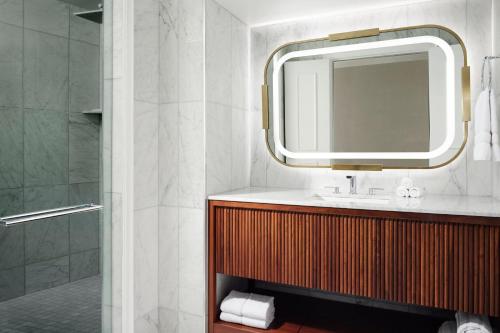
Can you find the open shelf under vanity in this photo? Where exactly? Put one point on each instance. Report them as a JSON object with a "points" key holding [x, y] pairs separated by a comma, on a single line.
{"points": [[303, 314]]}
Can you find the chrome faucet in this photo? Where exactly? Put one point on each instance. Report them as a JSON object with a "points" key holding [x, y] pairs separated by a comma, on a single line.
{"points": [[352, 186]]}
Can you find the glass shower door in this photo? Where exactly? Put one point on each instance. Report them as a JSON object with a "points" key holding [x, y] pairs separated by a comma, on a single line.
{"points": [[51, 174]]}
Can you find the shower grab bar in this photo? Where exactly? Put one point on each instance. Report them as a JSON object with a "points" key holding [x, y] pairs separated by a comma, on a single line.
{"points": [[7, 221]]}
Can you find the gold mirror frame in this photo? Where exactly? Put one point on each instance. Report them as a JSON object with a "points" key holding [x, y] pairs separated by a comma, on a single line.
{"points": [[466, 99]]}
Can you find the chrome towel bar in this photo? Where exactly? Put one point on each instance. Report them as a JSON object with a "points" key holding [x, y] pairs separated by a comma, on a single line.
{"points": [[44, 214]]}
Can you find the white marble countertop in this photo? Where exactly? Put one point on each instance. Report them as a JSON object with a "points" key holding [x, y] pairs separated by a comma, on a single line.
{"points": [[430, 203]]}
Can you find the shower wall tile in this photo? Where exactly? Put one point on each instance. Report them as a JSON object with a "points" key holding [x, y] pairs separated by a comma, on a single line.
{"points": [[191, 323], [11, 11], [168, 320], [45, 71], [239, 64], [50, 16], [190, 71], [11, 201], [192, 260], [168, 154], [146, 261], [47, 274], [146, 155], [83, 265], [11, 148], [240, 150], [11, 66], [84, 228], [218, 54], [46, 239], [11, 283], [11, 247], [168, 260], [82, 29], [84, 148], [83, 76], [169, 53], [219, 145], [45, 147], [191, 155]]}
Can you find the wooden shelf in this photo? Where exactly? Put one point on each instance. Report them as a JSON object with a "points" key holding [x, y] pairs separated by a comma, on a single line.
{"points": [[300, 314]]}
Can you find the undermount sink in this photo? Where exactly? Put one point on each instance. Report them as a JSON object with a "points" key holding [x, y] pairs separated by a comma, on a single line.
{"points": [[354, 198]]}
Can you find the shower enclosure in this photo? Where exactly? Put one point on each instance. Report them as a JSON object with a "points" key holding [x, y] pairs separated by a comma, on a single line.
{"points": [[54, 248]]}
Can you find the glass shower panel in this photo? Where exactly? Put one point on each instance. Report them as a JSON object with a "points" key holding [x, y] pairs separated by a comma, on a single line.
{"points": [[51, 174]]}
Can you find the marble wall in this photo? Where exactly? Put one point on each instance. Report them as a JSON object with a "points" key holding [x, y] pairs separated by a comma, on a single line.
{"points": [[496, 51], [49, 74], [471, 19]]}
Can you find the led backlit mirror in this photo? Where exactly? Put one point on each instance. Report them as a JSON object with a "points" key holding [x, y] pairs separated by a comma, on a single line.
{"points": [[368, 100]]}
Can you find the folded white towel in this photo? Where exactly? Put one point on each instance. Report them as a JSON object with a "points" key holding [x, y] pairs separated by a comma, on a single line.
{"points": [[252, 306], [448, 327], [233, 303], [407, 182], [414, 192], [468, 323], [402, 191], [483, 127], [257, 323], [258, 307]]}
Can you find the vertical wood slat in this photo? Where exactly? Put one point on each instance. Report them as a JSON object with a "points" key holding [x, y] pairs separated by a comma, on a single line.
{"points": [[450, 266]]}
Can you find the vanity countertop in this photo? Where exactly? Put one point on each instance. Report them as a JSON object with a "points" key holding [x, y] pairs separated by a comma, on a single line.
{"points": [[429, 203]]}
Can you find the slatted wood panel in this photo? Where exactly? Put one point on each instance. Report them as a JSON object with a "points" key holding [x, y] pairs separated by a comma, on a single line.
{"points": [[436, 264]]}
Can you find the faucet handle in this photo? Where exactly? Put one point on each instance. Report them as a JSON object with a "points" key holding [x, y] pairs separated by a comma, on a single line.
{"points": [[336, 189], [372, 190]]}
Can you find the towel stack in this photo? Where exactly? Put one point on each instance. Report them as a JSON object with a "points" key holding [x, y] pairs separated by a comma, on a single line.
{"points": [[408, 190], [467, 323], [248, 309]]}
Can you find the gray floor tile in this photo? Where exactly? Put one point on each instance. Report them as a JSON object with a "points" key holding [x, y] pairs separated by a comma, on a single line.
{"points": [[71, 308]]}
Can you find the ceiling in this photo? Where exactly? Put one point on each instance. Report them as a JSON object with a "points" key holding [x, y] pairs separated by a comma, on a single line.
{"points": [[262, 12]]}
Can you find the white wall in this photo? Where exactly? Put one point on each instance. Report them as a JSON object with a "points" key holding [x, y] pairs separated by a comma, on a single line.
{"points": [[469, 18], [496, 51]]}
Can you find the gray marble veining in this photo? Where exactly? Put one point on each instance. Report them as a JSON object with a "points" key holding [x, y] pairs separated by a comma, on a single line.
{"points": [[83, 76], [83, 148], [11, 247], [47, 274], [46, 239], [45, 71], [11, 201], [11, 148], [50, 16], [11, 283], [45, 147], [11, 11], [11, 65], [84, 264]]}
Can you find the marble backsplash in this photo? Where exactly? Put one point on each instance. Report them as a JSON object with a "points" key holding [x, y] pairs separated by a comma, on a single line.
{"points": [[471, 19]]}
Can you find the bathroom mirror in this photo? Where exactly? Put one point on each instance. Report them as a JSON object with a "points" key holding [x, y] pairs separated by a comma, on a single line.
{"points": [[368, 100]]}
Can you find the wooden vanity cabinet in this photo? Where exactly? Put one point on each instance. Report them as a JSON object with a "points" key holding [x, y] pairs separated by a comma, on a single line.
{"points": [[442, 261]]}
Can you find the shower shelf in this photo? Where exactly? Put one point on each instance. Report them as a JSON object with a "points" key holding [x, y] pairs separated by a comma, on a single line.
{"points": [[94, 111]]}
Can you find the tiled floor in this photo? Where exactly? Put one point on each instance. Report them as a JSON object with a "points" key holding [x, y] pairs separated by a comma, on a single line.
{"points": [[71, 308]]}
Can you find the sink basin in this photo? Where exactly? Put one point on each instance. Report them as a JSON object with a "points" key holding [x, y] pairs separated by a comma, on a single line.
{"points": [[354, 198]]}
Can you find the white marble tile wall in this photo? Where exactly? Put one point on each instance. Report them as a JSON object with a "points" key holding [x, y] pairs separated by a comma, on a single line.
{"points": [[146, 164], [181, 161], [496, 51], [469, 18], [227, 113]]}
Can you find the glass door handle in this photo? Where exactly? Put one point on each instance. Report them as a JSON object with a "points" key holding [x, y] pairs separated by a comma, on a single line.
{"points": [[45, 214]]}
